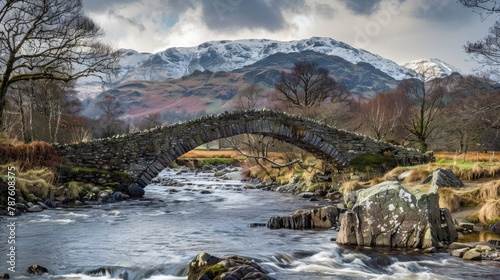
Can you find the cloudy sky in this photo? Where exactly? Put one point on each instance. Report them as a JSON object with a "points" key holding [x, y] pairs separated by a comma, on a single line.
{"points": [[401, 30]]}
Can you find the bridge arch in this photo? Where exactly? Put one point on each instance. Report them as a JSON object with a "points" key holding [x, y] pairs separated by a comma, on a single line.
{"points": [[144, 154], [299, 136]]}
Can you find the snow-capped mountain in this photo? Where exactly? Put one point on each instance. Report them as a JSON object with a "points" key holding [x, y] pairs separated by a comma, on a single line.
{"points": [[230, 55], [234, 55], [431, 68]]}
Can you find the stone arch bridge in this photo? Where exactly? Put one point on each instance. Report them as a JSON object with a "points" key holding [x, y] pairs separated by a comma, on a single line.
{"points": [[144, 154]]}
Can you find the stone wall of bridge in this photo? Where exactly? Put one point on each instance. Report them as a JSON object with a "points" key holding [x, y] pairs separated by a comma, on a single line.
{"points": [[144, 154]]}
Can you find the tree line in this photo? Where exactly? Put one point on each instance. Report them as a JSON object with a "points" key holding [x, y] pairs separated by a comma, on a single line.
{"points": [[453, 112]]}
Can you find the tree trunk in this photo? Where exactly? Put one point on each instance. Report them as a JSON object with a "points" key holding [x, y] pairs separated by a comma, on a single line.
{"points": [[21, 111], [31, 115], [3, 99]]}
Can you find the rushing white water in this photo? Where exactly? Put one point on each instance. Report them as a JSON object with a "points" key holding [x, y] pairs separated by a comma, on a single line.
{"points": [[156, 238]]}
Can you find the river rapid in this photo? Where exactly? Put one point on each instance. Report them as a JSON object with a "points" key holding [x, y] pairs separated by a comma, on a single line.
{"points": [[157, 236]]}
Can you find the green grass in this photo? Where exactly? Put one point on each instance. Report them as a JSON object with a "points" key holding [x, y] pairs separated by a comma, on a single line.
{"points": [[215, 161], [463, 164]]}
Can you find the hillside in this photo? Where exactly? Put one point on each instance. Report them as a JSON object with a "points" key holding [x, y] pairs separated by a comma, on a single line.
{"points": [[213, 92], [182, 83]]}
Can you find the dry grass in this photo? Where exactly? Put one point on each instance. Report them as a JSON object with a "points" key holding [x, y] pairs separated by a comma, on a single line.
{"points": [[490, 212], [34, 181], [471, 156], [476, 172], [417, 175], [487, 191], [211, 154], [393, 174], [448, 198], [495, 170], [29, 156], [351, 186], [38, 187]]}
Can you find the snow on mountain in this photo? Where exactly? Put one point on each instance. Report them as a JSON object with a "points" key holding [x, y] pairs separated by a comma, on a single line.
{"points": [[230, 55], [91, 86], [431, 68]]}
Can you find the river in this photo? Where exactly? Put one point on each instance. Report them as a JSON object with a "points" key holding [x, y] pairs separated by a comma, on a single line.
{"points": [[156, 237]]}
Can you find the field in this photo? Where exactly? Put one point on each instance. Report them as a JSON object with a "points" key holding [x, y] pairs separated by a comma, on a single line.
{"points": [[441, 157], [490, 156], [211, 154]]}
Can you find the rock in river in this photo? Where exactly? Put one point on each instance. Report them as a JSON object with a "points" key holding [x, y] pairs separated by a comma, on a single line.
{"points": [[135, 190], [388, 215], [208, 267], [325, 217]]}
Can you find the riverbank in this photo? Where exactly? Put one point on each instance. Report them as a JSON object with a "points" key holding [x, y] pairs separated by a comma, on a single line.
{"points": [[205, 213]]}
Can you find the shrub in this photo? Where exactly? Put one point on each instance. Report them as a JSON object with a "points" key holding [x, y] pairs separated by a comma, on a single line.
{"points": [[28, 156]]}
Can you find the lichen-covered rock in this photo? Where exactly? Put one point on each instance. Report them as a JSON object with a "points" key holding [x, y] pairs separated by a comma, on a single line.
{"points": [[388, 215], [207, 267], [325, 217]]}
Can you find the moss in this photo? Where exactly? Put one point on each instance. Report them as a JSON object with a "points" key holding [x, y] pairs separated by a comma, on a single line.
{"points": [[73, 190], [368, 162], [83, 170], [474, 218], [86, 174], [215, 161], [215, 271], [111, 186]]}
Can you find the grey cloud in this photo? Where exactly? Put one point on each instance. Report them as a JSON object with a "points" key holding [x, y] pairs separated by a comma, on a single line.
{"points": [[446, 12], [171, 7], [362, 7], [294, 6], [132, 21], [324, 10], [218, 15], [100, 5], [229, 15]]}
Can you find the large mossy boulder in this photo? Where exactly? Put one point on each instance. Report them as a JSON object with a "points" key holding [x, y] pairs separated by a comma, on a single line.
{"points": [[388, 215], [207, 267]]}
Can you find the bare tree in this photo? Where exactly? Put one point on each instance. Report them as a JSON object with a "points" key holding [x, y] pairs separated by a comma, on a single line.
{"points": [[382, 114], [428, 98], [51, 102], [487, 50], [109, 122], [486, 6], [249, 96], [49, 39], [150, 121], [306, 86]]}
